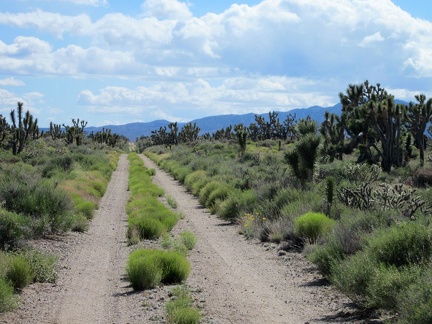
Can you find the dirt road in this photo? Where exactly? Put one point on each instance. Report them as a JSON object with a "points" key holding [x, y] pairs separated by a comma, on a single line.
{"points": [[232, 279], [244, 281]]}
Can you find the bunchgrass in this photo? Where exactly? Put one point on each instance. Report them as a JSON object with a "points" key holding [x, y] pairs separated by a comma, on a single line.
{"points": [[20, 273], [311, 226], [147, 268], [8, 300], [188, 239], [180, 308]]}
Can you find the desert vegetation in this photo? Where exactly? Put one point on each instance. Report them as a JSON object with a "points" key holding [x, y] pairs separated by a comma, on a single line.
{"points": [[352, 193], [51, 182]]}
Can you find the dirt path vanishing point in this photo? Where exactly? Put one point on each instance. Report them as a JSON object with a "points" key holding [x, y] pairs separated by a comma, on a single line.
{"points": [[232, 279]]}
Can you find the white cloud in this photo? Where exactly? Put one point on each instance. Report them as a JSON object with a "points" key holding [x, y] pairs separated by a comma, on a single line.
{"points": [[94, 3], [237, 95], [54, 23], [9, 100], [371, 39], [167, 9], [12, 82]]}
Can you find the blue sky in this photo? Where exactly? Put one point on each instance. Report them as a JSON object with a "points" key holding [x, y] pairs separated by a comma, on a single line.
{"points": [[116, 62]]}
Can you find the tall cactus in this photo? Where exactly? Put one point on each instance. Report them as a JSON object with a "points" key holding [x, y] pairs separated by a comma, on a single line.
{"points": [[21, 128]]}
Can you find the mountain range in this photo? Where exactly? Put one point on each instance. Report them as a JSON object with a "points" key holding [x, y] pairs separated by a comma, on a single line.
{"points": [[211, 124]]}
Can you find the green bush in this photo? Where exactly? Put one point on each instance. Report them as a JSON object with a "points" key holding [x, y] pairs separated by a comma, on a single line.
{"points": [[386, 285], [205, 191], [408, 243], [415, 302], [143, 273], [219, 194], [311, 226], [175, 267], [353, 274], [7, 298], [193, 177], [168, 267], [19, 273], [87, 208], [13, 228], [148, 228], [325, 256], [80, 223], [235, 204], [43, 266]]}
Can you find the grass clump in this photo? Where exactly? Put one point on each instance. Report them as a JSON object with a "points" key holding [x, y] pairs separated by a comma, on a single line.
{"points": [[148, 218], [188, 239], [19, 273], [311, 226], [13, 228], [172, 202], [43, 266], [8, 300], [180, 310], [147, 268], [143, 273]]}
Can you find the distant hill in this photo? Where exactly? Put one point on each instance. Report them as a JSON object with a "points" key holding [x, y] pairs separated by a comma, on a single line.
{"points": [[213, 123]]}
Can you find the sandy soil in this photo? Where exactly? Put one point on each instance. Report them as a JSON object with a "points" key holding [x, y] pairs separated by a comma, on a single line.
{"points": [[233, 280]]}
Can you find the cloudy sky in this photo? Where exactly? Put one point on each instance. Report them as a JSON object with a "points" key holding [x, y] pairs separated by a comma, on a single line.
{"points": [[116, 62]]}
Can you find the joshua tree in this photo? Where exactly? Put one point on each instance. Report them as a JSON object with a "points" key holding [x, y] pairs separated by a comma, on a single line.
{"points": [[242, 134], [22, 128], [419, 115]]}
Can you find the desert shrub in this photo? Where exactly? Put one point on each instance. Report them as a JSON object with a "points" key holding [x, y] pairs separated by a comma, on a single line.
{"points": [[387, 282], [188, 239], [86, 208], [193, 177], [205, 191], [167, 218], [148, 228], [311, 226], [175, 267], [7, 298], [143, 273], [169, 267], [353, 274], [80, 223], [179, 173], [326, 256], [408, 243], [43, 266], [414, 304], [151, 172], [198, 185], [57, 166], [13, 228], [219, 194], [236, 203], [19, 272], [352, 229]]}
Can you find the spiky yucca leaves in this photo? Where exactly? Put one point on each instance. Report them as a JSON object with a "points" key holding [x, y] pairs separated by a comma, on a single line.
{"points": [[302, 158]]}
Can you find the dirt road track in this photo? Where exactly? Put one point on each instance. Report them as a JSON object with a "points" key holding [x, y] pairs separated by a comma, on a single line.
{"points": [[241, 281], [234, 280]]}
